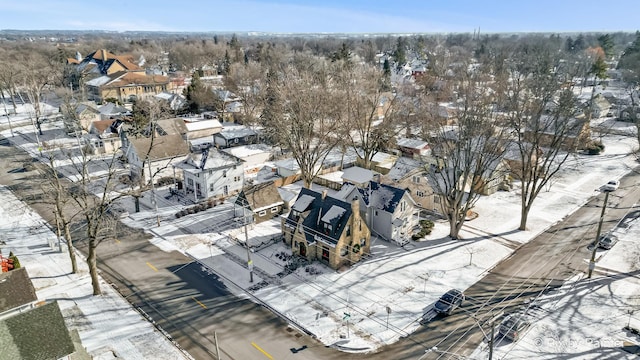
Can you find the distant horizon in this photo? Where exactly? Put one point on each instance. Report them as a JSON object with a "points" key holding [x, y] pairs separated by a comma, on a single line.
{"points": [[323, 17]]}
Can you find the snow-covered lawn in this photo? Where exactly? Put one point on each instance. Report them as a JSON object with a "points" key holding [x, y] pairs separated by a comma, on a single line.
{"points": [[384, 297], [585, 318], [107, 324]]}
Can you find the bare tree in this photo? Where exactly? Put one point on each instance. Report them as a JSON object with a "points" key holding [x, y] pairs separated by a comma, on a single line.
{"points": [[308, 114], [542, 110], [56, 191], [247, 81], [469, 154], [38, 72], [369, 111], [94, 198]]}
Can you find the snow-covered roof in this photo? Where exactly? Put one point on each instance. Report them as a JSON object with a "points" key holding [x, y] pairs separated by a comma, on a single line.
{"points": [[357, 175], [236, 131], [202, 124], [412, 143], [334, 213], [303, 203], [99, 81], [248, 150], [289, 164]]}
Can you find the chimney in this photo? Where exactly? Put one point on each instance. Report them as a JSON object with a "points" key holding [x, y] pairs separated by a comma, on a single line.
{"points": [[355, 206], [324, 194], [104, 55]]}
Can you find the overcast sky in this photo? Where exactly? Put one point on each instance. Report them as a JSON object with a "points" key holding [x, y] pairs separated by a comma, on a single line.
{"points": [[353, 16]]}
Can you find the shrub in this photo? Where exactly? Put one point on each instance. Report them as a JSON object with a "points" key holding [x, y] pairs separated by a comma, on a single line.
{"points": [[595, 147]]}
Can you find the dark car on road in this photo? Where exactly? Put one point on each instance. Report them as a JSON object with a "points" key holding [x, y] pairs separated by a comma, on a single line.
{"points": [[513, 325], [449, 302]]}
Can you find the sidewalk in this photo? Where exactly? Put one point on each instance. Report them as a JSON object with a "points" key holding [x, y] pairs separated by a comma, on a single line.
{"points": [[107, 324]]}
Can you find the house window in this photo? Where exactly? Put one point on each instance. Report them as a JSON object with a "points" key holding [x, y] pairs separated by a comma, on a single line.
{"points": [[326, 228], [262, 213], [436, 199], [325, 254], [224, 173], [190, 182], [236, 178], [343, 251], [416, 179], [363, 242], [348, 230], [210, 187], [375, 213], [274, 209]]}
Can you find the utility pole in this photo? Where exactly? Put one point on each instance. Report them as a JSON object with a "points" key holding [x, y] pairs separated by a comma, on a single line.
{"points": [[592, 262], [153, 192], [491, 339], [246, 243]]}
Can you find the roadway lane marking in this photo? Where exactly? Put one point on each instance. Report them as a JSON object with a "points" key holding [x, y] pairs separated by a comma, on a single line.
{"points": [[262, 351], [199, 303], [151, 266]]}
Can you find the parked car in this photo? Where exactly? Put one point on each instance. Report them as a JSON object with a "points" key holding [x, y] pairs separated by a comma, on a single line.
{"points": [[611, 185], [607, 241], [513, 326], [448, 302]]}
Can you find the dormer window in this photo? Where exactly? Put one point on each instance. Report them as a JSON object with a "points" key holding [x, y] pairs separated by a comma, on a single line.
{"points": [[326, 228]]}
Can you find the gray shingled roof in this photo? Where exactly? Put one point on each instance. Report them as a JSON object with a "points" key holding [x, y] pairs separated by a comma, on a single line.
{"points": [[16, 289], [36, 334]]}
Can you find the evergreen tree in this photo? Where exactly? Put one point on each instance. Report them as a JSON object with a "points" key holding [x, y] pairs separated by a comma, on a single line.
{"points": [[606, 43], [401, 52], [569, 45], [386, 78]]}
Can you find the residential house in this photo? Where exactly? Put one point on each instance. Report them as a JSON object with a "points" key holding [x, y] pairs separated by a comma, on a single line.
{"points": [[381, 162], [232, 104], [175, 101], [154, 155], [211, 173], [199, 132], [326, 229], [113, 111], [235, 135], [412, 175], [104, 135], [414, 148], [575, 132], [253, 156], [599, 108], [261, 201], [104, 75], [388, 211], [30, 329], [287, 167]]}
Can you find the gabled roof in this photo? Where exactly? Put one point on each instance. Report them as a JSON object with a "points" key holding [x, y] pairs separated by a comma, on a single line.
{"points": [[112, 109], [260, 196], [164, 147], [328, 210], [215, 159], [101, 125], [381, 196], [412, 143], [39, 333], [234, 131], [16, 289]]}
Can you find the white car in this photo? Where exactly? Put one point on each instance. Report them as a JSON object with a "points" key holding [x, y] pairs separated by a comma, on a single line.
{"points": [[611, 185]]}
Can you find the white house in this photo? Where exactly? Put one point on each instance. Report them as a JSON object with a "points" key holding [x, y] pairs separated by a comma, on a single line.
{"points": [[253, 156], [211, 173], [388, 211]]}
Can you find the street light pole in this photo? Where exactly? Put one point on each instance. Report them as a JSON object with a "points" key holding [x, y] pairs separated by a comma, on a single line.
{"points": [[592, 262]]}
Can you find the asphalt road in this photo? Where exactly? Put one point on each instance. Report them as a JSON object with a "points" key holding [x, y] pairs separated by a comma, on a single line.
{"points": [[192, 304], [182, 298]]}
